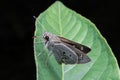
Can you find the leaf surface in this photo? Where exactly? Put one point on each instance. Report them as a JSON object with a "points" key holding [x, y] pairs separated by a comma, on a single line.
{"points": [[62, 21]]}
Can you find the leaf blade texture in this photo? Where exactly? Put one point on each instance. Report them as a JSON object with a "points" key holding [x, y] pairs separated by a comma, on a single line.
{"points": [[62, 21]]}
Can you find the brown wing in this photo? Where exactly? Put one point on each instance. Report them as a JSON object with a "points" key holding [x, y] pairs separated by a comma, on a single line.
{"points": [[81, 47]]}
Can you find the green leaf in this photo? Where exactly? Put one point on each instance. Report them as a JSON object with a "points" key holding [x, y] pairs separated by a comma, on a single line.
{"points": [[63, 21]]}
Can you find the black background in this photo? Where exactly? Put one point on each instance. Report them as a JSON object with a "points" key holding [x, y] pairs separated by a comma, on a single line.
{"points": [[17, 28]]}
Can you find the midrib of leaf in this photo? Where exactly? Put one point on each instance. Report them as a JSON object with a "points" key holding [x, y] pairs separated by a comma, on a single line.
{"points": [[59, 19], [60, 27]]}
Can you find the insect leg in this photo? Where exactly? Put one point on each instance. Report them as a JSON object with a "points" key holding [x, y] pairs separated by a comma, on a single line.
{"points": [[41, 52], [50, 53]]}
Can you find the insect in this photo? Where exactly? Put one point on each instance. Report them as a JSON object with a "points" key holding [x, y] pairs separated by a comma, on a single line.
{"points": [[65, 50]]}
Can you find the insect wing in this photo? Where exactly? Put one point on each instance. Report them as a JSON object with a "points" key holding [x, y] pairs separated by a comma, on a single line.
{"points": [[81, 47], [64, 54], [82, 57]]}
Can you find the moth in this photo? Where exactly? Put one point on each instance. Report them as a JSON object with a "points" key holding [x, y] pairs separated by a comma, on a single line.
{"points": [[65, 50]]}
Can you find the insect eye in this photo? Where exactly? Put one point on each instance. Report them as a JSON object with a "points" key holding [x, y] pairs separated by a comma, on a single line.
{"points": [[46, 38]]}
